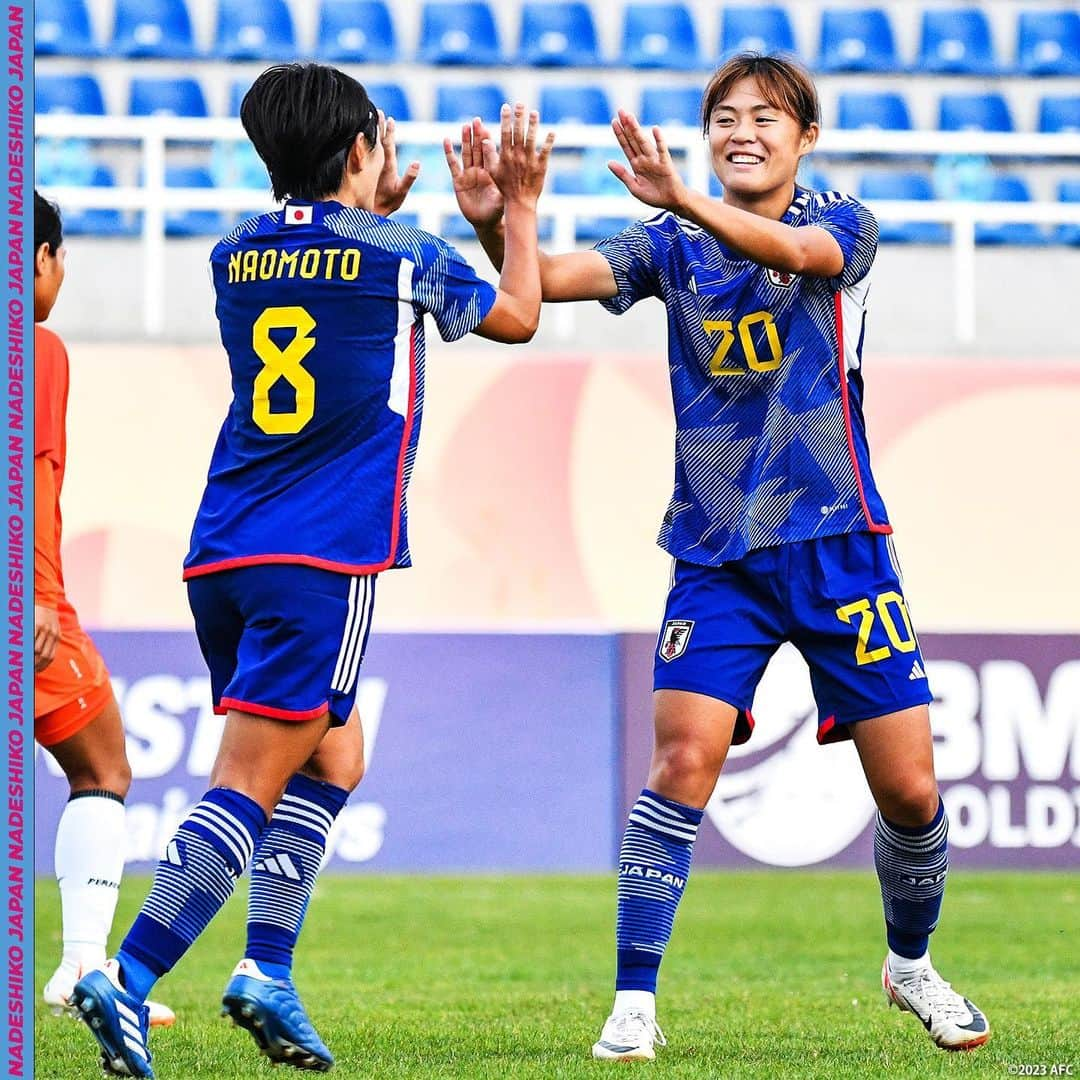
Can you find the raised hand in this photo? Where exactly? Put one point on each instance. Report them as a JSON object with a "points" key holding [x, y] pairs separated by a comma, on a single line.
{"points": [[519, 168], [480, 201], [652, 176], [391, 189]]}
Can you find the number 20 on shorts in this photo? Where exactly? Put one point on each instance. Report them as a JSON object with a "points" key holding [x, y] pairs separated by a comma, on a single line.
{"points": [[861, 615]]}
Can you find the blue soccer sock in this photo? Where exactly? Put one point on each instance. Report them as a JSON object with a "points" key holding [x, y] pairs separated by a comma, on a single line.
{"points": [[654, 862], [283, 873], [911, 866], [194, 879]]}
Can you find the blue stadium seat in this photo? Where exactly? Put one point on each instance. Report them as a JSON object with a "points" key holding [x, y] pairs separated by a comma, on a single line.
{"points": [[593, 178], [575, 105], [234, 163], [62, 28], [857, 39], [956, 41], [907, 186], [1069, 191], [359, 31], [153, 28], [459, 33], [99, 220], [1059, 113], [192, 222], [456, 104], [671, 106], [812, 178], [391, 98], [1048, 42], [1005, 188], [79, 94], [558, 35], [255, 30], [974, 112], [660, 36], [884, 110], [759, 27], [167, 97]]}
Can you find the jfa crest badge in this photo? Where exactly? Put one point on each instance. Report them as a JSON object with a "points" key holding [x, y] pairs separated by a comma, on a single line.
{"points": [[675, 638], [781, 278]]}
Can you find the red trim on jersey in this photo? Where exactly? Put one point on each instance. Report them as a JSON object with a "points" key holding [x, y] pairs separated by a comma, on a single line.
{"points": [[271, 712], [406, 435], [290, 560], [875, 527]]}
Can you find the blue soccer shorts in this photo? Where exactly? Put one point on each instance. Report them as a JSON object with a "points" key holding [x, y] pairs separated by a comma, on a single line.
{"points": [[838, 599], [283, 640]]}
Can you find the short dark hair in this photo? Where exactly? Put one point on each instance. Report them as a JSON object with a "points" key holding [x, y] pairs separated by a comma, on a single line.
{"points": [[302, 120], [784, 83], [48, 226]]}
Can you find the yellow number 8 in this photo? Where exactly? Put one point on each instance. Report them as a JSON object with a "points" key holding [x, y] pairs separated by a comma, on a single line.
{"points": [[284, 364]]}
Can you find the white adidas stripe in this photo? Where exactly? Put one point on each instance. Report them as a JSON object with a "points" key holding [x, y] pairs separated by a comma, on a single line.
{"points": [[356, 649], [346, 637], [128, 1014]]}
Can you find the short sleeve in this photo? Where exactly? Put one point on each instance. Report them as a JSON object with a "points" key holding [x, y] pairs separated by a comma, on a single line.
{"points": [[50, 396], [855, 229], [631, 255], [449, 289]]}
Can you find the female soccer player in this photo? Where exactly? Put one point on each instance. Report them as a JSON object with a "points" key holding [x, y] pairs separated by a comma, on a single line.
{"points": [[75, 714], [776, 527], [321, 307]]}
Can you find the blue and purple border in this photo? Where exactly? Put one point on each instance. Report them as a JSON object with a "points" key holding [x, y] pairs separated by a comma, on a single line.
{"points": [[17, 845]]}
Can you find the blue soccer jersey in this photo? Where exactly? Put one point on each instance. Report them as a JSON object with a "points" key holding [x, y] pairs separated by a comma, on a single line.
{"points": [[321, 311], [770, 443]]}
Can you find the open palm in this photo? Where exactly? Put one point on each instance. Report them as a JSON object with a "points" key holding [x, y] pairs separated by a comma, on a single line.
{"points": [[479, 200], [652, 176]]}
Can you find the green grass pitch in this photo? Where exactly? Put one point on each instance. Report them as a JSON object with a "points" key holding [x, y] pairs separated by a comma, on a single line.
{"points": [[770, 974]]}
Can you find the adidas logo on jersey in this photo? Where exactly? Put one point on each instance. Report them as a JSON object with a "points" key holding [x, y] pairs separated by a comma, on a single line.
{"points": [[916, 672], [279, 865]]}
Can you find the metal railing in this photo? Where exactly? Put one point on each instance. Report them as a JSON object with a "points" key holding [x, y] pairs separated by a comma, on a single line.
{"points": [[153, 198]]}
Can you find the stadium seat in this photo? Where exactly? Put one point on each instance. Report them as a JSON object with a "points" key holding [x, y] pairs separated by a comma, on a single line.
{"points": [[906, 186], [857, 39], [153, 28], [167, 97], [1059, 113], [593, 178], [79, 94], [192, 222], [956, 41], [812, 178], [98, 220], [1048, 42], [671, 106], [255, 30], [759, 27], [558, 35], [575, 105], [459, 33], [391, 98], [1009, 189], [456, 104], [235, 163], [885, 110], [359, 31], [974, 112], [660, 36], [1069, 191], [62, 28]]}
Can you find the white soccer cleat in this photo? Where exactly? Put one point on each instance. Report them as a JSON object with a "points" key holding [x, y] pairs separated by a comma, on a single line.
{"points": [[57, 995], [629, 1036], [949, 1018]]}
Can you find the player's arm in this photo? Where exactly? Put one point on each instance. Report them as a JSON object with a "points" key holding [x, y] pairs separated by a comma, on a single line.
{"points": [[578, 275], [47, 590], [652, 178]]}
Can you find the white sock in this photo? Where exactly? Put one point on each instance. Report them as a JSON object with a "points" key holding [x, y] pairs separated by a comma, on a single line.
{"points": [[903, 967], [639, 1000], [89, 861]]}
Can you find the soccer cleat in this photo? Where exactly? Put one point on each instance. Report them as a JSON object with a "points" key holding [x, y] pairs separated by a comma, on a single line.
{"points": [[57, 995], [271, 1010], [118, 1021], [628, 1036], [949, 1018]]}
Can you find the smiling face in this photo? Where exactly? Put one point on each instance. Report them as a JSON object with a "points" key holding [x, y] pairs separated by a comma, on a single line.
{"points": [[756, 146]]}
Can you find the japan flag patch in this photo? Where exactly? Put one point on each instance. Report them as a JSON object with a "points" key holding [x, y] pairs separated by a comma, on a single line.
{"points": [[675, 638], [298, 215]]}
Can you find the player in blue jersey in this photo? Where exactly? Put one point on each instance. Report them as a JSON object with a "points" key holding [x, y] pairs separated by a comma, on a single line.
{"points": [[776, 527], [321, 306]]}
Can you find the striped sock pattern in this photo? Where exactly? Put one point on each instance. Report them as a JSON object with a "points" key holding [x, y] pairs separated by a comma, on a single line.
{"points": [[912, 865], [194, 878], [654, 863], [286, 865]]}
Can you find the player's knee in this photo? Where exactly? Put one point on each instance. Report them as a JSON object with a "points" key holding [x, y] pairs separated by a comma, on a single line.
{"points": [[911, 801], [682, 764], [112, 776]]}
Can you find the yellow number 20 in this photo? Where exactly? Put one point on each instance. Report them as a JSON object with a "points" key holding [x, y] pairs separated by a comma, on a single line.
{"points": [[283, 363], [861, 609], [726, 329]]}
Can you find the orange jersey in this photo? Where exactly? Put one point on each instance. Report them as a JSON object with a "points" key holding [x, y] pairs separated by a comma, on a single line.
{"points": [[77, 668]]}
